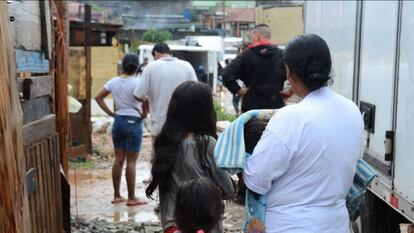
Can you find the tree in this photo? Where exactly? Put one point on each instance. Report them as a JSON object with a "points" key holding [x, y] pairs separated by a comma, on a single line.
{"points": [[156, 36]]}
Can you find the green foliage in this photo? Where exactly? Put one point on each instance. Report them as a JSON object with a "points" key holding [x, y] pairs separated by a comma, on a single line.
{"points": [[194, 16], [221, 115], [156, 36]]}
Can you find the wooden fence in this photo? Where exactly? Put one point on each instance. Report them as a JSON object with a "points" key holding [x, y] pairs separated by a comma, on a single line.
{"points": [[31, 143], [13, 199], [44, 197]]}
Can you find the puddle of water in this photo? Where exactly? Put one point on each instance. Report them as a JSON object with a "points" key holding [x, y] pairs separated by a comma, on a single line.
{"points": [[134, 217], [88, 175], [94, 192]]}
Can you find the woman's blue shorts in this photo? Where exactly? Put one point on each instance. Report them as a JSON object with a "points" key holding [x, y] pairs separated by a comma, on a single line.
{"points": [[127, 133]]}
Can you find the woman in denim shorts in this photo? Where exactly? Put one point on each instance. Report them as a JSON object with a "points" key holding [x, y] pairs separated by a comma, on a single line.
{"points": [[127, 127]]}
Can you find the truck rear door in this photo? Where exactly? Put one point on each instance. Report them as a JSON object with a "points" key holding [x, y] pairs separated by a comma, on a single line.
{"points": [[377, 79], [404, 141]]}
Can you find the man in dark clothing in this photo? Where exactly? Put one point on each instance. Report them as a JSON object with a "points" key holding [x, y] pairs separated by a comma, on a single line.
{"points": [[201, 74], [142, 66], [262, 70]]}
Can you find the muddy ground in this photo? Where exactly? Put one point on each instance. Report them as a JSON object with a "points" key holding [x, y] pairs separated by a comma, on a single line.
{"points": [[92, 192]]}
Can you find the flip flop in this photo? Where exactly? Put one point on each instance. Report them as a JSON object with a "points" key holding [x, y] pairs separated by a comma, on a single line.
{"points": [[118, 200], [135, 202]]}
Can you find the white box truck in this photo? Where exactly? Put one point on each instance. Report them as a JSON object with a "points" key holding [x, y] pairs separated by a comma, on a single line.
{"points": [[195, 55], [372, 47]]}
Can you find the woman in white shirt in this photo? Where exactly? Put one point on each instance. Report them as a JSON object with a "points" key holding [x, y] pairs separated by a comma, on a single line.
{"points": [[127, 128], [305, 160]]}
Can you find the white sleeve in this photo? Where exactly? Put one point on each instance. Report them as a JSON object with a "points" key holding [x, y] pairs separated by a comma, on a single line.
{"points": [[270, 160], [109, 85], [142, 88]]}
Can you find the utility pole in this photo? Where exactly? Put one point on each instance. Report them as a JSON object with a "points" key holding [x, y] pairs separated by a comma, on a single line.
{"points": [[88, 78]]}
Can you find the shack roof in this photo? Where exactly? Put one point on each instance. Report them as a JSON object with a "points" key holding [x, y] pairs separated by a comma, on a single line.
{"points": [[96, 27], [101, 33]]}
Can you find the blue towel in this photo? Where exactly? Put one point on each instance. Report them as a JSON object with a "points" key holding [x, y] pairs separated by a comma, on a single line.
{"points": [[230, 154], [363, 177]]}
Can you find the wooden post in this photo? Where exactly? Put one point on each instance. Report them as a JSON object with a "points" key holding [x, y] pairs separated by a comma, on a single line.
{"points": [[14, 206], [61, 64], [61, 59], [88, 83]]}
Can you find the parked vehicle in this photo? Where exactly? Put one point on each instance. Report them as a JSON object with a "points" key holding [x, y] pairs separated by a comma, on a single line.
{"points": [[230, 53], [195, 55], [214, 43], [372, 46], [232, 41]]}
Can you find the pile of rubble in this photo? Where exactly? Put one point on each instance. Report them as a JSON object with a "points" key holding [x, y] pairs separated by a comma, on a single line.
{"points": [[99, 225]]}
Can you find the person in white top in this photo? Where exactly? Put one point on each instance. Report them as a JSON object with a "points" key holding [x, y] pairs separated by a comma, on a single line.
{"points": [[306, 158], [127, 127], [159, 80]]}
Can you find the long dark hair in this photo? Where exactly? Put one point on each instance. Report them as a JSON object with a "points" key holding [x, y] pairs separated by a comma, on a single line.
{"points": [[198, 206], [309, 58], [190, 111]]}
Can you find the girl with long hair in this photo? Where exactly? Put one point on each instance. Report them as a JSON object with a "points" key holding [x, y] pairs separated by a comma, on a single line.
{"points": [[184, 148]]}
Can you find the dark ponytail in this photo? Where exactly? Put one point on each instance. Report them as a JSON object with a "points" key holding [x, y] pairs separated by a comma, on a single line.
{"points": [[309, 58], [130, 64]]}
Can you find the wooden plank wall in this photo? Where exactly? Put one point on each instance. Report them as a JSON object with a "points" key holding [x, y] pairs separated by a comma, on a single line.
{"points": [[45, 200], [31, 61], [33, 44], [14, 211], [37, 94], [27, 28]]}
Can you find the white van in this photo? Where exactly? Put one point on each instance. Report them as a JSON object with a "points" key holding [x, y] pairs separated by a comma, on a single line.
{"points": [[195, 55]]}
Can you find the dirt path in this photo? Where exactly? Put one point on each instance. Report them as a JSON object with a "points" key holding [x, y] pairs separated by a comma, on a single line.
{"points": [[93, 193]]}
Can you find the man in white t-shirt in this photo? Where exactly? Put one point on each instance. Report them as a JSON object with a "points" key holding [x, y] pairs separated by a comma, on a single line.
{"points": [[159, 80]]}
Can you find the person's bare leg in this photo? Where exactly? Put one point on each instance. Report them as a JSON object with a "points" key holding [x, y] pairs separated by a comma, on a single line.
{"points": [[130, 178], [131, 158], [117, 173]]}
